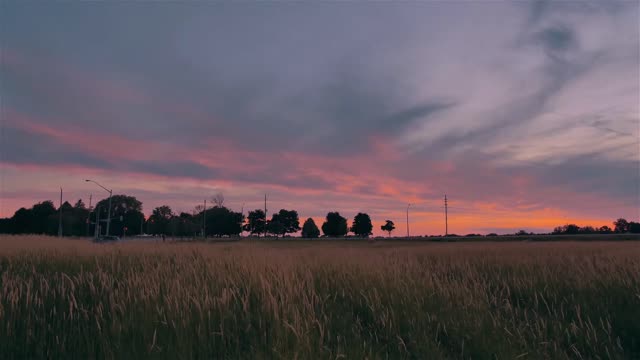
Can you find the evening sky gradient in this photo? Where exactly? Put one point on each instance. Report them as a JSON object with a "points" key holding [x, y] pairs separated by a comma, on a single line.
{"points": [[526, 114]]}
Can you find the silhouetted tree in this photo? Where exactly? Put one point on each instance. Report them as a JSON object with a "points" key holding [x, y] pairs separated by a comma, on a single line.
{"points": [[126, 212], [389, 226], [185, 224], [361, 225], [81, 219], [587, 230], [218, 199], [633, 227], [40, 220], [159, 221], [74, 220], [275, 227], [310, 229], [571, 229], [22, 221], [6, 226], [284, 222], [222, 221], [256, 222], [621, 225], [79, 204], [605, 230], [567, 229], [162, 212], [335, 225]]}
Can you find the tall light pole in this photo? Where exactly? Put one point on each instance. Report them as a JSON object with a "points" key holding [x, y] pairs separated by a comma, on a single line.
{"points": [[109, 210], [408, 219]]}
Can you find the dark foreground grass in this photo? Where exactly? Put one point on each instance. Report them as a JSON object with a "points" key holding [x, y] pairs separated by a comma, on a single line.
{"points": [[259, 301]]}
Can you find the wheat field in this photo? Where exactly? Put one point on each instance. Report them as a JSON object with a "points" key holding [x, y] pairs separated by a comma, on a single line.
{"points": [[69, 298]]}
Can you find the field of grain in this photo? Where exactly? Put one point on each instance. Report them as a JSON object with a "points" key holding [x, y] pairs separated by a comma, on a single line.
{"points": [[319, 300]]}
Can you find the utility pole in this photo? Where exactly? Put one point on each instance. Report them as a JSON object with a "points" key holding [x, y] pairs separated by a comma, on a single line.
{"points": [[89, 216], [408, 219], [108, 210], [265, 215], [97, 231], [60, 217], [446, 220], [204, 220]]}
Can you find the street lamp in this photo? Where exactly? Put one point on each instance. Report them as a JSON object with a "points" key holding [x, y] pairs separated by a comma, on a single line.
{"points": [[408, 219], [109, 211]]}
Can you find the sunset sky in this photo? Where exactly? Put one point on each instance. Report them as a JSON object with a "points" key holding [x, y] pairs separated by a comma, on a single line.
{"points": [[526, 114]]}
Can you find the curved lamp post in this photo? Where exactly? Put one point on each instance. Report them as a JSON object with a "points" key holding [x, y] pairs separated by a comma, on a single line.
{"points": [[109, 211]]}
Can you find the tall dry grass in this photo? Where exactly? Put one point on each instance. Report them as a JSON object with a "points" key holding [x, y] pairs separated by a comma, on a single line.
{"points": [[73, 299]]}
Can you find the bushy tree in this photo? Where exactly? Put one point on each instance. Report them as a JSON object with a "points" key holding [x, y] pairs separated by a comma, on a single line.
{"points": [[187, 224], [160, 220], [79, 204], [571, 229], [566, 229], [284, 222], [6, 226], [74, 220], [587, 230], [310, 229], [40, 220], [22, 221], [389, 226], [362, 225], [275, 227], [621, 225], [335, 225], [223, 222], [126, 212], [634, 227], [256, 222], [605, 230]]}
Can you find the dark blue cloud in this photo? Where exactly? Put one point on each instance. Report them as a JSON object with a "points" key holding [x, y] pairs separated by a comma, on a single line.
{"points": [[22, 147]]}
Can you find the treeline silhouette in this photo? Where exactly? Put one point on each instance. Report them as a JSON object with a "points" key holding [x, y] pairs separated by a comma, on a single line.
{"points": [[619, 226], [217, 221], [127, 219]]}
